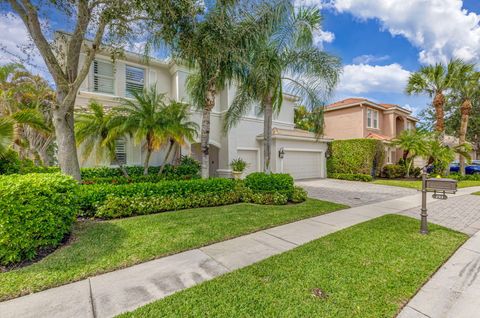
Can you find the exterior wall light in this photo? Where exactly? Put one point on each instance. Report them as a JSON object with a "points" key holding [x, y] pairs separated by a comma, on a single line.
{"points": [[281, 153]]}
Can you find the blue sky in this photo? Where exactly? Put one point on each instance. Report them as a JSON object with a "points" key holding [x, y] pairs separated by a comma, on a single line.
{"points": [[380, 42]]}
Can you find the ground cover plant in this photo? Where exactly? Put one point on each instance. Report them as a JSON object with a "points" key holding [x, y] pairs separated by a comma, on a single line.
{"points": [[125, 242], [369, 270]]}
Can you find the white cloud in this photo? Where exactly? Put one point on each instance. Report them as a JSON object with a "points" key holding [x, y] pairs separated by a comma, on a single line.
{"points": [[369, 58], [441, 29], [364, 78], [321, 37], [17, 47]]}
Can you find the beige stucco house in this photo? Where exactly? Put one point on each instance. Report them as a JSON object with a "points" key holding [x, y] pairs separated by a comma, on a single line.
{"points": [[361, 118], [294, 151]]}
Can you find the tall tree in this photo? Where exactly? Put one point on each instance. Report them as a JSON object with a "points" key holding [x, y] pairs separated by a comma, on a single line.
{"points": [[466, 90], [93, 20], [434, 80], [214, 48], [94, 134], [285, 56]]}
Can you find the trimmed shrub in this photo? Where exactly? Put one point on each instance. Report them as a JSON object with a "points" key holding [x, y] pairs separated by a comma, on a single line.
{"points": [[188, 168], [467, 177], [139, 179], [356, 156], [93, 196], [351, 176], [274, 182], [116, 207], [36, 212], [394, 171], [11, 163], [299, 195], [269, 198]]}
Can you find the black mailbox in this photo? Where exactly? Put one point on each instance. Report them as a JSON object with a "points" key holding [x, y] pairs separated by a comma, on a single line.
{"points": [[441, 185]]}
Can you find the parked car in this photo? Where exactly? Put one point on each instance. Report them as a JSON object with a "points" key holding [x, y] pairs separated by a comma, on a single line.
{"points": [[472, 168]]}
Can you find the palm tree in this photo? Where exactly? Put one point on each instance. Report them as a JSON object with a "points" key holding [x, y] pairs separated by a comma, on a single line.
{"points": [[286, 56], [6, 135], [434, 80], [215, 49], [413, 143], [94, 134], [178, 128], [146, 119], [466, 90]]}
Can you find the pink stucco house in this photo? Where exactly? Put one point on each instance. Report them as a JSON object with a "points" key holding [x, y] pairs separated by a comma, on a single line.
{"points": [[361, 118]]}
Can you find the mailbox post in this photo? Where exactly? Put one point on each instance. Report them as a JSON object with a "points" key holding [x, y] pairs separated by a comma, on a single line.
{"points": [[440, 187]]}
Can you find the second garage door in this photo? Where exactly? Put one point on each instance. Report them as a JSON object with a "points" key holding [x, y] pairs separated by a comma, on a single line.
{"points": [[303, 164]]}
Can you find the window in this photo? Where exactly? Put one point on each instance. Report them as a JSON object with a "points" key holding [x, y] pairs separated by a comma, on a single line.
{"points": [[103, 77], [135, 80], [372, 118], [410, 125], [120, 152], [389, 155]]}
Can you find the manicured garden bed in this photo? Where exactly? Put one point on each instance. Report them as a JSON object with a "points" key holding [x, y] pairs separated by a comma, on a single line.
{"points": [[98, 247], [369, 270], [417, 184]]}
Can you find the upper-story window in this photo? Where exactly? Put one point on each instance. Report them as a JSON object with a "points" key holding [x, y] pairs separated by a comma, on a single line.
{"points": [[410, 125], [372, 118], [134, 81], [103, 77]]}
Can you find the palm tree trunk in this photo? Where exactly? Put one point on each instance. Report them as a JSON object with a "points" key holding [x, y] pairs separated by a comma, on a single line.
{"points": [[438, 104], [267, 134], [170, 147], [205, 131], [149, 153], [462, 136]]}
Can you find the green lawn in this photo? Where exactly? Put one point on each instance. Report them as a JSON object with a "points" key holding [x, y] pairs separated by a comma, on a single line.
{"points": [[417, 184], [369, 270], [99, 247]]}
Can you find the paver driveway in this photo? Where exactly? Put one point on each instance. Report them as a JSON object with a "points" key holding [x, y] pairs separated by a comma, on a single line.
{"points": [[352, 193]]}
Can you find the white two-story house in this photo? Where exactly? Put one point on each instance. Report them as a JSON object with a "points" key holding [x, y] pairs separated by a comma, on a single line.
{"points": [[294, 151]]}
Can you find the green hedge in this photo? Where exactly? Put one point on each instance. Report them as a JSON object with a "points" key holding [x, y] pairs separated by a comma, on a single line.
{"points": [[36, 212], [351, 176], [93, 196], [274, 182], [11, 163], [356, 156], [467, 177]]}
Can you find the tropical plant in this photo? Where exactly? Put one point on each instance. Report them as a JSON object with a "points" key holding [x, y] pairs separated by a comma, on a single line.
{"points": [[26, 99], [238, 165], [94, 134], [6, 135], [413, 143], [309, 120], [439, 155], [150, 119], [434, 80], [178, 128], [285, 56], [466, 90]]}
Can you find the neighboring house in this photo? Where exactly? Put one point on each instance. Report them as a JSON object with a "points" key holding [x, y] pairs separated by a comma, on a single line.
{"points": [[361, 118], [293, 151]]}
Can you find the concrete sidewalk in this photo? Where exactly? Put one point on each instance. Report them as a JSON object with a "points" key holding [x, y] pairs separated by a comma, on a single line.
{"points": [[123, 290]]}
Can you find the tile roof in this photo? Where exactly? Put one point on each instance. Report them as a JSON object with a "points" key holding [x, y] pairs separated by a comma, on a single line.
{"points": [[377, 136], [347, 101]]}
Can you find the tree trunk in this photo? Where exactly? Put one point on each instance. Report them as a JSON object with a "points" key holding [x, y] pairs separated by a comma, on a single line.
{"points": [[438, 104], [170, 147], [267, 134], [44, 157], [147, 161], [462, 136], [205, 131], [63, 122]]}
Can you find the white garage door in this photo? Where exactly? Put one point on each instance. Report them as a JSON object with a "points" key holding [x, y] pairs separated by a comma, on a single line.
{"points": [[303, 164], [251, 157]]}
